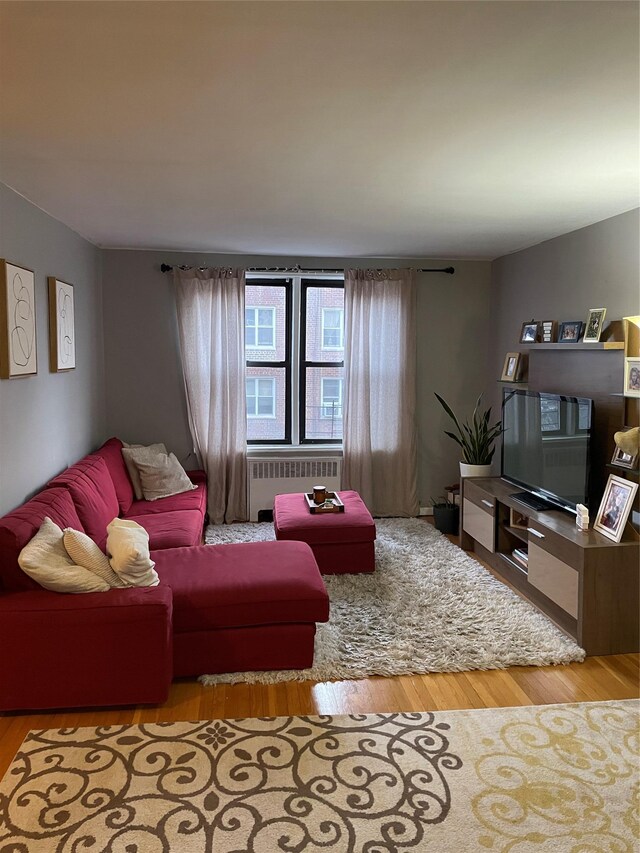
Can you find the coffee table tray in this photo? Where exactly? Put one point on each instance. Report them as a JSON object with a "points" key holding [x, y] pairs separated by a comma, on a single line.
{"points": [[336, 504]]}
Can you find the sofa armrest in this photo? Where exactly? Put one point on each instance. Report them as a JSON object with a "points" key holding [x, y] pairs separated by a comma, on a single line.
{"points": [[197, 476], [103, 648]]}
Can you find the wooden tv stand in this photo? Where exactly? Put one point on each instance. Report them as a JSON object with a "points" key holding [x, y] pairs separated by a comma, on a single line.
{"points": [[587, 584]]}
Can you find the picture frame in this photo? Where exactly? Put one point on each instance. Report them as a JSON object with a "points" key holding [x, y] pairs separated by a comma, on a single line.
{"points": [[18, 331], [549, 331], [632, 376], [62, 338], [624, 460], [511, 367], [615, 507], [529, 333], [594, 325], [570, 331]]}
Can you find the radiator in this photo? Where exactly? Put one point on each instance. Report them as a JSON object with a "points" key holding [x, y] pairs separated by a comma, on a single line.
{"points": [[270, 477]]}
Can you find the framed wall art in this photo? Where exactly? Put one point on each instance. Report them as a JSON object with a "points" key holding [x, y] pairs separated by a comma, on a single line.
{"points": [[615, 507], [62, 337], [593, 328], [18, 342]]}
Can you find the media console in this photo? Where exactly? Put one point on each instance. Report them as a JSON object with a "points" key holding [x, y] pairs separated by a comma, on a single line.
{"points": [[587, 584]]}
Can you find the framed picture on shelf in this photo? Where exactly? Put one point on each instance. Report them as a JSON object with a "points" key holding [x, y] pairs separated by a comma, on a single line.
{"points": [[549, 331], [529, 333], [62, 337], [615, 507], [594, 324], [18, 355], [632, 377], [624, 460], [570, 331], [511, 368]]}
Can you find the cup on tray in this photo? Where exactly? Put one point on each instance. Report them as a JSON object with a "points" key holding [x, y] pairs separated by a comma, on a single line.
{"points": [[319, 494]]}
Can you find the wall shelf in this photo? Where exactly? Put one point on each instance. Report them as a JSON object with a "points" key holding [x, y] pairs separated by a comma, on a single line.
{"points": [[603, 345]]}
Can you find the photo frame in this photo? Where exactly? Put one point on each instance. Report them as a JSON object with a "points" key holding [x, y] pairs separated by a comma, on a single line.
{"points": [[18, 333], [594, 325], [511, 367], [62, 337], [632, 377], [624, 460], [549, 329], [569, 332], [530, 332], [615, 507]]}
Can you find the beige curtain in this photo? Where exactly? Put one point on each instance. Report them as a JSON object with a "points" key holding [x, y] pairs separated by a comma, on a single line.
{"points": [[380, 390], [210, 306]]}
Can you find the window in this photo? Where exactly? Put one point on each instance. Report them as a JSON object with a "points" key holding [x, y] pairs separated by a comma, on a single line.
{"points": [[331, 398], [261, 395], [550, 415], [260, 327], [332, 328], [294, 344]]}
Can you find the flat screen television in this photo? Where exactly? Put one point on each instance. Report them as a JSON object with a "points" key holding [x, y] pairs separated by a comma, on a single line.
{"points": [[545, 447]]}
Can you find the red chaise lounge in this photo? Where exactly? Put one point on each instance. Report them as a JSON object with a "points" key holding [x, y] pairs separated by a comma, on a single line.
{"points": [[218, 608]]}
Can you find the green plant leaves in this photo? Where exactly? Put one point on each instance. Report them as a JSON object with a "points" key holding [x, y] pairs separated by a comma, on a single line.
{"points": [[476, 437]]}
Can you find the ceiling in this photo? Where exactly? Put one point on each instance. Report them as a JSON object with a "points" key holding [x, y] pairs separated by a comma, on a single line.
{"points": [[387, 129]]}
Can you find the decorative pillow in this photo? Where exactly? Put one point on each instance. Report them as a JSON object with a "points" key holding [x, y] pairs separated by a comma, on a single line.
{"points": [[84, 552], [45, 560], [128, 551], [132, 452], [162, 477]]}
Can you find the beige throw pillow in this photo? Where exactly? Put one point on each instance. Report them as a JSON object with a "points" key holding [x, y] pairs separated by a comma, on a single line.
{"points": [[162, 477], [84, 552], [128, 551], [132, 452], [45, 559]]}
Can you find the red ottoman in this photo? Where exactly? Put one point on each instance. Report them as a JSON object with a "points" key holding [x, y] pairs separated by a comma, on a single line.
{"points": [[342, 542]]}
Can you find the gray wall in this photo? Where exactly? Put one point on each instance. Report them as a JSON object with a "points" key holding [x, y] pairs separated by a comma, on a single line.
{"points": [[49, 420], [561, 279], [145, 397]]}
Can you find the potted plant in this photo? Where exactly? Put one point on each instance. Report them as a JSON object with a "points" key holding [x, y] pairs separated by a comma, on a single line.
{"points": [[446, 515], [476, 437]]}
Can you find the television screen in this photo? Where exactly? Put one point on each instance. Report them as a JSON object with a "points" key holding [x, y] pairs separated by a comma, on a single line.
{"points": [[545, 445]]}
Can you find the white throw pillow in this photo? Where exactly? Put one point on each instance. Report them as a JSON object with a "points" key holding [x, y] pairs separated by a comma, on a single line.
{"points": [[131, 452], [45, 559], [162, 477], [84, 552], [128, 551]]}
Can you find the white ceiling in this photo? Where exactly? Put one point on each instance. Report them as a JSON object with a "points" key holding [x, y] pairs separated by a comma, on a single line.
{"points": [[450, 129]]}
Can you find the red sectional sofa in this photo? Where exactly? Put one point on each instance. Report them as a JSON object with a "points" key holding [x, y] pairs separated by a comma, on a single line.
{"points": [[218, 608]]}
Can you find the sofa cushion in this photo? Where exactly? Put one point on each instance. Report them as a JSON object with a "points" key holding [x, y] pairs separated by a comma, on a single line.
{"points": [[145, 451], [111, 452], [45, 559], [84, 552], [171, 529], [196, 499], [93, 493], [128, 550], [257, 583], [21, 525]]}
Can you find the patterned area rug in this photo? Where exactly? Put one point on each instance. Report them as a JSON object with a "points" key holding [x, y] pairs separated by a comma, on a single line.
{"points": [[428, 607], [523, 780]]}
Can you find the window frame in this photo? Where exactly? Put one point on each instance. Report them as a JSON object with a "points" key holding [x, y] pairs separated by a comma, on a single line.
{"points": [[257, 326], [305, 284], [258, 379], [287, 284], [340, 328]]}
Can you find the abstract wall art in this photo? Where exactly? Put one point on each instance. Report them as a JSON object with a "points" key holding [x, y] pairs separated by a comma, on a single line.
{"points": [[62, 336], [18, 345]]}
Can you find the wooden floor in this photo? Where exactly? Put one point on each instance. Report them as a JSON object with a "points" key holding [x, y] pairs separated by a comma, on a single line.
{"points": [[598, 678]]}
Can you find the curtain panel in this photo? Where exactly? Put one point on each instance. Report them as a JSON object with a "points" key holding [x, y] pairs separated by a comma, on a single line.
{"points": [[380, 458], [210, 308]]}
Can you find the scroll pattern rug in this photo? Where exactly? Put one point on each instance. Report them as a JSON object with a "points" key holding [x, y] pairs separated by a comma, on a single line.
{"points": [[428, 607], [510, 780]]}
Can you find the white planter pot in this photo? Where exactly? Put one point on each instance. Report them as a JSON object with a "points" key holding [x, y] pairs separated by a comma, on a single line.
{"points": [[474, 470]]}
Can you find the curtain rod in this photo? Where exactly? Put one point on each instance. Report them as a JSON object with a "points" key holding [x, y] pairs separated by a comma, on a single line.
{"points": [[298, 269]]}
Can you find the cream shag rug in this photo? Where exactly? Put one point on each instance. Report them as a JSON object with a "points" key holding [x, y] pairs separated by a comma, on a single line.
{"points": [[428, 607], [508, 780]]}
